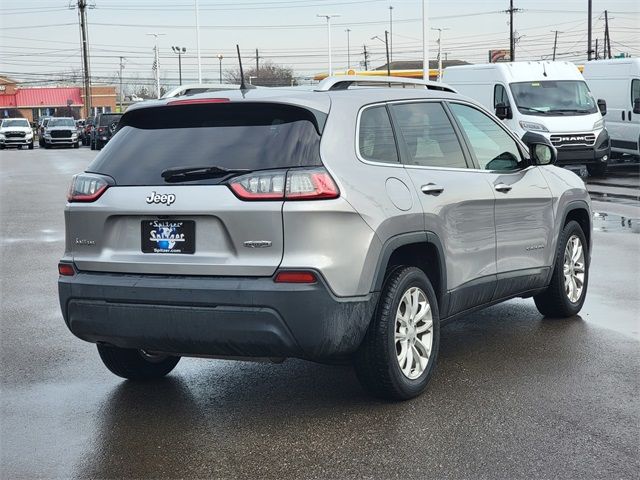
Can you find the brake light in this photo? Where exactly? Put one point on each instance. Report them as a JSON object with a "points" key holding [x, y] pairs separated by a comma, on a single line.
{"points": [[296, 184], [87, 187], [295, 277], [66, 269], [101, 129], [196, 101]]}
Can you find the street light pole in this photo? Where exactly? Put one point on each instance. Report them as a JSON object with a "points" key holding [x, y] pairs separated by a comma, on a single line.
{"points": [[348, 30], [121, 67], [220, 57], [391, 32], [179, 51], [157, 61], [328, 17], [425, 40], [198, 42]]}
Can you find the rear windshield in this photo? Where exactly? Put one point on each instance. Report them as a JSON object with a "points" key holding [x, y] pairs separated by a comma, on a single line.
{"points": [[243, 136], [108, 119]]}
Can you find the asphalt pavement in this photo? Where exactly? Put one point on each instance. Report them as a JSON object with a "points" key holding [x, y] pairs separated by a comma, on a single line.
{"points": [[514, 395]]}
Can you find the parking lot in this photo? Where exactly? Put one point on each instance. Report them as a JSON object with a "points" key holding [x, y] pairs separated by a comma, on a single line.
{"points": [[514, 394]]}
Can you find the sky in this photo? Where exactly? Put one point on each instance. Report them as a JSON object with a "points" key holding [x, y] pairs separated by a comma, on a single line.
{"points": [[40, 40]]}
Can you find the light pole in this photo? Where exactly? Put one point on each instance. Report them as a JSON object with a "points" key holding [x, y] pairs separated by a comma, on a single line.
{"points": [[439, 30], [179, 51], [425, 40], [157, 61], [198, 42], [386, 46], [220, 57], [391, 32], [329, 17], [348, 30], [122, 59]]}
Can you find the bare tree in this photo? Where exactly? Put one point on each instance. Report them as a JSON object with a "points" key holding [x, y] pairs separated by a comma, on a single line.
{"points": [[268, 75]]}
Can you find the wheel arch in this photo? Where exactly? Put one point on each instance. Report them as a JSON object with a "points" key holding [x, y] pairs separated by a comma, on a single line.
{"points": [[579, 211], [420, 249]]}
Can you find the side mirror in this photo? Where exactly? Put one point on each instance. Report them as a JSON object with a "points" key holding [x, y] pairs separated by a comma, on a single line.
{"points": [[602, 106], [503, 111], [636, 105], [542, 154]]}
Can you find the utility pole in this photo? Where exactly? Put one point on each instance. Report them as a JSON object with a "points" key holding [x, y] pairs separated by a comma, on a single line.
{"points": [[607, 38], [197, 43], [512, 38], [596, 52], [179, 51], [425, 40], [366, 58], [391, 32], [156, 63], [386, 46], [555, 43], [348, 30], [257, 63], [589, 15], [220, 57], [121, 67], [440, 30], [328, 18], [82, 13]]}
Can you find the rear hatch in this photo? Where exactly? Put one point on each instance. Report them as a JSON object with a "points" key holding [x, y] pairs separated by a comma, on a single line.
{"points": [[190, 223]]}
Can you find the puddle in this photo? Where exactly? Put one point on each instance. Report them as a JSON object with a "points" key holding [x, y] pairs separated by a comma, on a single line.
{"points": [[606, 222]]}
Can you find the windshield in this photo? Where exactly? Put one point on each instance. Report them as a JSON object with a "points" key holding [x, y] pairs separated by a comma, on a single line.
{"points": [[550, 97], [61, 122], [245, 136], [17, 122]]}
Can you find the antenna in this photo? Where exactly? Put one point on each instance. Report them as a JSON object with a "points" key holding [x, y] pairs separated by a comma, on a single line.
{"points": [[242, 84]]}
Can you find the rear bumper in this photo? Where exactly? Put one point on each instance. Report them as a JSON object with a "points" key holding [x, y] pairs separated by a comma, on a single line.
{"points": [[220, 316]]}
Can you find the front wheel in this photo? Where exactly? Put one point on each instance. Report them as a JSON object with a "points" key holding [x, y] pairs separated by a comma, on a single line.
{"points": [[565, 295], [31, 146], [398, 354], [136, 364], [597, 169]]}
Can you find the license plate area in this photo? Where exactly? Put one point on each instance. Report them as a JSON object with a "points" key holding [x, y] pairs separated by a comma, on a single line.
{"points": [[168, 236]]}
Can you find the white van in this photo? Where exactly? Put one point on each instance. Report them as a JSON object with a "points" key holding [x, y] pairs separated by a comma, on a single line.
{"points": [[545, 98], [618, 82]]}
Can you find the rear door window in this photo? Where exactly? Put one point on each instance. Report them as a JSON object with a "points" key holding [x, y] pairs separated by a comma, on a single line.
{"points": [[376, 141], [246, 136], [428, 135]]}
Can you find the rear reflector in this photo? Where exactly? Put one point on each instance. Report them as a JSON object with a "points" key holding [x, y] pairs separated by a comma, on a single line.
{"points": [[295, 184], [66, 269], [196, 101], [87, 187], [295, 277]]}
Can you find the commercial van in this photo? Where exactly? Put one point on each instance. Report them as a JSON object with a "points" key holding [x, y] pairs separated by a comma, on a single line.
{"points": [[541, 98], [618, 82]]}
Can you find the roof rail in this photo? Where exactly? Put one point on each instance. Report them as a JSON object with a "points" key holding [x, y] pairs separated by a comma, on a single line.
{"points": [[343, 82]]}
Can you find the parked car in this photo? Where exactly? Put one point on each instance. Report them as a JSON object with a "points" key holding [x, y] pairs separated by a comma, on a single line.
{"points": [[105, 125], [618, 82], [16, 132], [333, 224], [61, 131], [85, 137], [546, 98], [41, 127]]}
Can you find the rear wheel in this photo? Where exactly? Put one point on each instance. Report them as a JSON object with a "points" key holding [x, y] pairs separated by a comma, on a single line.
{"points": [[566, 293], [399, 352], [136, 364]]}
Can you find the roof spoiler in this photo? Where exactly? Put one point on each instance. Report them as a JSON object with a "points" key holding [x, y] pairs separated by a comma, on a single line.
{"points": [[343, 82]]}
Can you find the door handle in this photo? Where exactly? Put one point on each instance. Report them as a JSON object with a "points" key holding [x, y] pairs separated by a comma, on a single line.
{"points": [[501, 187], [432, 189]]}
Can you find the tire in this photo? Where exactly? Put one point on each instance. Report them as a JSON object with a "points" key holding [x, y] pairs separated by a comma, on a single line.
{"points": [[555, 301], [135, 364], [31, 146], [597, 169], [2, 146], [377, 361], [99, 145], [76, 145], [92, 144], [46, 145], [19, 147], [41, 142]]}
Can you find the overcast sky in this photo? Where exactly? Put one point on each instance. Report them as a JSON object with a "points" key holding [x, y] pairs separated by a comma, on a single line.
{"points": [[40, 38]]}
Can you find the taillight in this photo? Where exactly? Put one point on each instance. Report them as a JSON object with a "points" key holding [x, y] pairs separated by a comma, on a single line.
{"points": [[101, 129], [295, 277], [87, 187], [296, 184], [66, 269]]}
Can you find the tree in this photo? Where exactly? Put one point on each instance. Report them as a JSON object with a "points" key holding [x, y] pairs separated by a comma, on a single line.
{"points": [[268, 75]]}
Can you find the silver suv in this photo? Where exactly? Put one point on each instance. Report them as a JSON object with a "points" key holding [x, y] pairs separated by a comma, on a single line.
{"points": [[347, 222]]}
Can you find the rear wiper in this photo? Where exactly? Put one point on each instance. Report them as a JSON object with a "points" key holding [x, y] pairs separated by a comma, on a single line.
{"points": [[185, 174]]}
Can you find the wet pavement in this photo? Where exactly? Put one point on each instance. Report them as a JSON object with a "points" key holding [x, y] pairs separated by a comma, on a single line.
{"points": [[514, 395]]}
